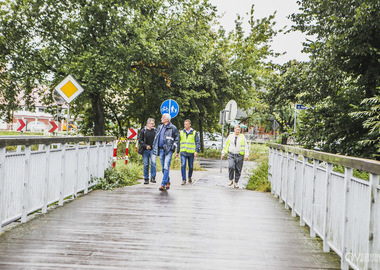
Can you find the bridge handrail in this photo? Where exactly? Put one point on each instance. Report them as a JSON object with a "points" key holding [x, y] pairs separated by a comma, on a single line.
{"points": [[34, 178], [368, 165], [32, 140], [339, 207]]}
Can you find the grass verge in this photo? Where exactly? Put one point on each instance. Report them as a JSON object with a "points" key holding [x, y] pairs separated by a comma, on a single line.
{"points": [[258, 180]]}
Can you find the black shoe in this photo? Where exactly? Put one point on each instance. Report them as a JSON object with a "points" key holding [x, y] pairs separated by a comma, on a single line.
{"points": [[146, 181], [167, 185], [190, 181], [153, 180]]}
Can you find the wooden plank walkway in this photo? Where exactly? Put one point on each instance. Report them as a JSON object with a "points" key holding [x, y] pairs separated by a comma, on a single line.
{"points": [[201, 226]]}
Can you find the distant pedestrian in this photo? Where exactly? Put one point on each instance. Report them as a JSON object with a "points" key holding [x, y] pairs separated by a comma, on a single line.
{"points": [[146, 138], [189, 148], [165, 142], [237, 150]]}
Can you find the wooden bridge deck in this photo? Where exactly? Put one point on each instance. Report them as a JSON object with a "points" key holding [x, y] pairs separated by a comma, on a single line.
{"points": [[201, 226]]}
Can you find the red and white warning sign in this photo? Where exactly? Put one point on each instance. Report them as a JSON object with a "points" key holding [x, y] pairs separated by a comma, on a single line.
{"points": [[52, 126], [131, 133], [20, 125]]}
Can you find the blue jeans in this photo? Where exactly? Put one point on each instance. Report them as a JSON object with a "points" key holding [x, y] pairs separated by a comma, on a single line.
{"points": [[165, 164], [190, 159], [149, 157]]}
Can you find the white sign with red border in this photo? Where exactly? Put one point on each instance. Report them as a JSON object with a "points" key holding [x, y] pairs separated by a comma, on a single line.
{"points": [[131, 133]]}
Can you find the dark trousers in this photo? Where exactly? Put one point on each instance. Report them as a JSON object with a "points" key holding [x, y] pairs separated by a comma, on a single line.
{"points": [[190, 159], [235, 164]]}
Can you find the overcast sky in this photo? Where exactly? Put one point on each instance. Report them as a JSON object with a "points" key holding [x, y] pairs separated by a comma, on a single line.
{"points": [[290, 43]]}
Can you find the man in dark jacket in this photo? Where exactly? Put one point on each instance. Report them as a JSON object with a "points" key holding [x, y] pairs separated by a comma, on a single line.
{"points": [[146, 138], [165, 142]]}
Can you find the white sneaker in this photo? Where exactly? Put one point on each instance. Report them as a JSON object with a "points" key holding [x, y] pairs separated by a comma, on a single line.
{"points": [[231, 183], [236, 185]]}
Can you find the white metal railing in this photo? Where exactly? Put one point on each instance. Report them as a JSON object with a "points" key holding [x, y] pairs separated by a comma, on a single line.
{"points": [[58, 168], [344, 211]]}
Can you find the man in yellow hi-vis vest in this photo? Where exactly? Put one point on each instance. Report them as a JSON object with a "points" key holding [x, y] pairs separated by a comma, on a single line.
{"points": [[188, 147], [237, 150]]}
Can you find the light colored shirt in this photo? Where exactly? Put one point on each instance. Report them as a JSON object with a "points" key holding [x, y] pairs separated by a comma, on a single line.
{"points": [[235, 149]]}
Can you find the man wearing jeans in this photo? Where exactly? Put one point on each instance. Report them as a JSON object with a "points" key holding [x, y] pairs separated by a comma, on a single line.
{"points": [[189, 148], [165, 142], [237, 150], [146, 138]]}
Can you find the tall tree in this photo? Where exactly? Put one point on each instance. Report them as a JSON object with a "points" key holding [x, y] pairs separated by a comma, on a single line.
{"points": [[344, 69]]}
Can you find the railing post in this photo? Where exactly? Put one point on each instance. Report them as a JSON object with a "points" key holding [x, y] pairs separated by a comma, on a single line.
{"points": [[275, 172], [270, 168], [88, 176], [97, 159], [345, 221], [374, 182], [25, 204], [314, 179], [304, 162], [3, 152], [286, 174], [105, 155], [75, 195], [294, 185], [329, 169], [281, 155], [63, 173], [47, 176]]}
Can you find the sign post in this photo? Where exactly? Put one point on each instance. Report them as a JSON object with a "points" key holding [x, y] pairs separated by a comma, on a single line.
{"points": [[69, 89], [297, 107]]}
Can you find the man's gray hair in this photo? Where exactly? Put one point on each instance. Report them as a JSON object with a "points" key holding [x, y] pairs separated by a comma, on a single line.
{"points": [[167, 116], [150, 120]]}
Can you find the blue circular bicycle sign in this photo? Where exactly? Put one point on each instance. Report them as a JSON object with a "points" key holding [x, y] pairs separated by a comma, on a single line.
{"points": [[171, 107]]}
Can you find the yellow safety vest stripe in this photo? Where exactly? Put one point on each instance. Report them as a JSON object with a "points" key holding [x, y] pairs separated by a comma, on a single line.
{"points": [[187, 143], [242, 144]]}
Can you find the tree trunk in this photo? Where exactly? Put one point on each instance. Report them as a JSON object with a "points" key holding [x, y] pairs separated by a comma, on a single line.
{"points": [[201, 133], [99, 123], [284, 139]]}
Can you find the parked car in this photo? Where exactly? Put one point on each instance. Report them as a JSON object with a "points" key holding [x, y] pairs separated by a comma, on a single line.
{"points": [[36, 126], [212, 141], [72, 126]]}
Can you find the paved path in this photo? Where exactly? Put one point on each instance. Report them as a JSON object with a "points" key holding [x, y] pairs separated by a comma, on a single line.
{"points": [[201, 226]]}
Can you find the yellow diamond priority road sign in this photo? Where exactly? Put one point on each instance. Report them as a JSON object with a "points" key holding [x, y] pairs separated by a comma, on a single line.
{"points": [[69, 89]]}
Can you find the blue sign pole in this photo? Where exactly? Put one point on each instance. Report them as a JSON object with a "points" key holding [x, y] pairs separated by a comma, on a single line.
{"points": [[171, 107]]}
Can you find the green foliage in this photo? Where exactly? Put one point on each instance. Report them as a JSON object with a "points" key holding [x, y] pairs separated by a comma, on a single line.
{"points": [[121, 176], [356, 173], [210, 153], [343, 71], [371, 119], [258, 152], [129, 57], [259, 179]]}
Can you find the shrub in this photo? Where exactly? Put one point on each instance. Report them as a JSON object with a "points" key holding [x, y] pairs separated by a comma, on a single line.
{"points": [[259, 179], [122, 175]]}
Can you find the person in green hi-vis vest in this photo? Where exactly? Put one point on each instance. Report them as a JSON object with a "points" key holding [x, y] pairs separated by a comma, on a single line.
{"points": [[237, 150], [188, 147]]}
